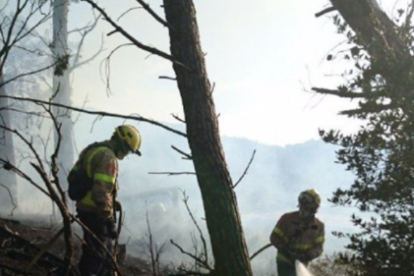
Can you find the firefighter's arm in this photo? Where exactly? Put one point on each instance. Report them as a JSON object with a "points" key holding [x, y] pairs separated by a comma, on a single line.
{"points": [[104, 177], [278, 237]]}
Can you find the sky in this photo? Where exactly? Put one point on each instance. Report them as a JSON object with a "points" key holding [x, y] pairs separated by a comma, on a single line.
{"points": [[262, 58]]}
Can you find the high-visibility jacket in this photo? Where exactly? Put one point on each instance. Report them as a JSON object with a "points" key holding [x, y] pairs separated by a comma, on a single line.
{"points": [[101, 165], [303, 237]]}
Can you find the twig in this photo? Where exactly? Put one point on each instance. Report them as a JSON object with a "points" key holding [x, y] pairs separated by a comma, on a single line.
{"points": [[245, 171], [327, 10], [11, 196], [152, 50], [201, 262], [137, 118], [178, 118], [186, 155], [172, 173], [127, 11], [156, 16], [167, 78]]}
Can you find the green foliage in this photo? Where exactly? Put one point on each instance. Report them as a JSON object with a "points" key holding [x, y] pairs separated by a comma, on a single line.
{"points": [[381, 156]]}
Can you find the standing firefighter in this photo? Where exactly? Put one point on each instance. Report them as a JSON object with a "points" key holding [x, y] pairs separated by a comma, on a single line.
{"points": [[92, 183], [299, 235]]}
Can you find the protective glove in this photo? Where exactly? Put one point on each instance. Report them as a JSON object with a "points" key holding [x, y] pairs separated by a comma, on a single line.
{"points": [[299, 256], [112, 231], [117, 206], [286, 251]]}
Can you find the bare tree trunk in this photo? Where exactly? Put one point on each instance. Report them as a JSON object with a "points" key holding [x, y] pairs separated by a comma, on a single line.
{"points": [[220, 205], [8, 181], [61, 86]]}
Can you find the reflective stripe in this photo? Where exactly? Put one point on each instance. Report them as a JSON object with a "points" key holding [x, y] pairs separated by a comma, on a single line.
{"points": [[307, 246], [320, 239], [283, 258], [104, 177], [280, 233], [87, 200], [304, 246]]}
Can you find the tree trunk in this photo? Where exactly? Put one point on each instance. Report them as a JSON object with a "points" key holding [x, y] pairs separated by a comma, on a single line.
{"points": [[220, 205], [377, 33], [61, 86], [8, 180]]}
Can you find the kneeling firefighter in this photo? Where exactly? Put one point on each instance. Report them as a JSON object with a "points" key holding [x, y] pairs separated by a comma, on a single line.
{"points": [[92, 183]]}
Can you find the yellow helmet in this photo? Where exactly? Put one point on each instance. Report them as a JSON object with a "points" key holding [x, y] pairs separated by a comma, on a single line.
{"points": [[131, 136], [310, 196]]}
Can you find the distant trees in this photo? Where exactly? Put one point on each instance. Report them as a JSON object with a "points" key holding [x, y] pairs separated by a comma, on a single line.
{"points": [[380, 154], [19, 23], [36, 66]]}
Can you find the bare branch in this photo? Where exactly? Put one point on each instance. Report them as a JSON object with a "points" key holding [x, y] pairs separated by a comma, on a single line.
{"points": [[167, 78], [172, 173], [191, 256], [178, 118], [156, 16], [10, 195], [84, 33], [325, 11], [245, 171], [127, 11], [107, 63], [23, 175], [205, 262], [186, 155], [27, 74], [117, 28], [100, 113]]}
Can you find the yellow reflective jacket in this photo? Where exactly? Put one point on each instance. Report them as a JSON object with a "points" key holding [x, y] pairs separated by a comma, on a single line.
{"points": [[101, 165], [306, 238]]}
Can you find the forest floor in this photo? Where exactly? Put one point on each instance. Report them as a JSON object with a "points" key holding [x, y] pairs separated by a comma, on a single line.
{"points": [[22, 239]]}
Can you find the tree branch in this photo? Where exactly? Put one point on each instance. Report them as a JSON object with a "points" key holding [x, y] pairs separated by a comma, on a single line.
{"points": [[245, 171], [325, 11], [186, 155], [156, 16], [100, 113], [152, 50], [338, 93]]}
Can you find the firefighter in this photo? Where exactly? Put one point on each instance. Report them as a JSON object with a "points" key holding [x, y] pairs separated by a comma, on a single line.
{"points": [[299, 235], [96, 208]]}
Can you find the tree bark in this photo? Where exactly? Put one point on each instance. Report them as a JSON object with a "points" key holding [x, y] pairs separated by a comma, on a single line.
{"points": [[377, 33], [220, 205], [61, 86]]}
